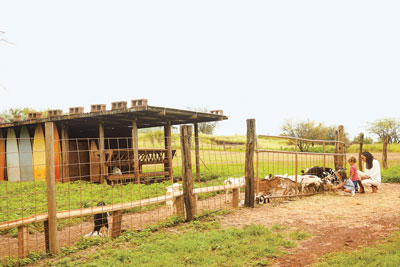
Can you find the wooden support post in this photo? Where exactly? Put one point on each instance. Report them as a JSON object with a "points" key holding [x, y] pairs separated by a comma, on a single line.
{"points": [[51, 188], [186, 137], [341, 146], [103, 171], [65, 152], [23, 241], [384, 152], [197, 144], [168, 146], [360, 165], [235, 197], [116, 224], [179, 206], [249, 164], [135, 146]]}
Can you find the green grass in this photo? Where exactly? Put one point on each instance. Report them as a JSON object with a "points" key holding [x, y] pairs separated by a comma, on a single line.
{"points": [[391, 175], [386, 254], [201, 244]]}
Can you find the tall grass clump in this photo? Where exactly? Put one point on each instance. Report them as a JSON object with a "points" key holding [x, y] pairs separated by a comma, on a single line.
{"points": [[391, 175]]}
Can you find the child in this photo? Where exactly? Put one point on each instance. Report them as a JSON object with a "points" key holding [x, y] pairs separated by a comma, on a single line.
{"points": [[353, 172], [345, 184]]}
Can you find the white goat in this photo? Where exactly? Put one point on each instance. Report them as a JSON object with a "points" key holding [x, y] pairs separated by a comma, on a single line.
{"points": [[171, 190], [233, 181]]}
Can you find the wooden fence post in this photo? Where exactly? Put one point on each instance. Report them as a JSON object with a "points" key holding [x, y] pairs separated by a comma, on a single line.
{"points": [[249, 164], [186, 136], [135, 146], [65, 152], [196, 141], [23, 241], [384, 152], [51, 188], [116, 223], [235, 197], [102, 153], [168, 146], [360, 165], [340, 147]]}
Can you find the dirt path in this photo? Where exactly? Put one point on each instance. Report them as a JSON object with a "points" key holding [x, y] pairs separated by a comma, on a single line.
{"points": [[336, 222]]}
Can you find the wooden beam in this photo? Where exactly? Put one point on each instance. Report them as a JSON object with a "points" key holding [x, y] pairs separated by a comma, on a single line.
{"points": [[135, 146], [249, 163], [103, 167], [65, 152], [197, 146], [186, 136], [51, 188]]}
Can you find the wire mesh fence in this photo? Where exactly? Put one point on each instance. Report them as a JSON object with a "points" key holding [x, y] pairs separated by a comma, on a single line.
{"points": [[100, 188]]}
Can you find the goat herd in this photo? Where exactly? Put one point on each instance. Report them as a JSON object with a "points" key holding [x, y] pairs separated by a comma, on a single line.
{"points": [[316, 179]]}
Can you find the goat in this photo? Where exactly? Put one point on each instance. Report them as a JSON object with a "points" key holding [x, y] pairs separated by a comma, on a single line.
{"points": [[100, 220], [170, 192], [233, 181]]}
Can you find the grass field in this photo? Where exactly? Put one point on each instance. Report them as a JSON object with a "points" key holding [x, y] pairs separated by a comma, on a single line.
{"points": [[202, 242]]}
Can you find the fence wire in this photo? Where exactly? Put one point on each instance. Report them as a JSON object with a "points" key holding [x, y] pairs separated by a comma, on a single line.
{"points": [[96, 187]]}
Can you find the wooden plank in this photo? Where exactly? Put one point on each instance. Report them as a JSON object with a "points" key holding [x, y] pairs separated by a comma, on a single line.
{"points": [[65, 152], [186, 136], [116, 224], [103, 168], [249, 163], [196, 141], [51, 187], [23, 241], [135, 146]]}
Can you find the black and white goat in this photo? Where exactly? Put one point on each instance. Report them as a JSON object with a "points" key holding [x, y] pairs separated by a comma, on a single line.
{"points": [[100, 220]]}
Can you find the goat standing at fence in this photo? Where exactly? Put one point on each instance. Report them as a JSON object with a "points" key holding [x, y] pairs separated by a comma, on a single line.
{"points": [[233, 181], [171, 192], [100, 220]]}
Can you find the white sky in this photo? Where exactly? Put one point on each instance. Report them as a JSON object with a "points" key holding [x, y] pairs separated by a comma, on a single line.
{"points": [[336, 62]]}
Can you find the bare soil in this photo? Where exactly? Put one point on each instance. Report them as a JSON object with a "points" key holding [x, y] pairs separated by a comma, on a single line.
{"points": [[336, 222]]}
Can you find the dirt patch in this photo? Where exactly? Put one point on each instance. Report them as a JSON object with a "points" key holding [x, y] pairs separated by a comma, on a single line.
{"points": [[336, 222]]}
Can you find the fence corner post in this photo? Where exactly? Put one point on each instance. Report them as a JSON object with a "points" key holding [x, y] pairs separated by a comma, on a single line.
{"points": [[249, 163]]}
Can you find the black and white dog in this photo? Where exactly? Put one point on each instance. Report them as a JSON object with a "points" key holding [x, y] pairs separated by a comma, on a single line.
{"points": [[100, 220]]}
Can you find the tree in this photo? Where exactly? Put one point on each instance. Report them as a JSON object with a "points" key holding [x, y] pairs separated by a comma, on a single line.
{"points": [[8, 115], [386, 127], [205, 127], [309, 130], [306, 130], [367, 140]]}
